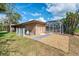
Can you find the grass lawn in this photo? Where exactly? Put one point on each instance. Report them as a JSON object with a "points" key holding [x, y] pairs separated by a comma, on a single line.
{"points": [[17, 45], [77, 30]]}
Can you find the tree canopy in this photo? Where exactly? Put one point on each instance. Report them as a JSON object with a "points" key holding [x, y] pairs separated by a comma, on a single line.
{"points": [[2, 7], [12, 15], [70, 22]]}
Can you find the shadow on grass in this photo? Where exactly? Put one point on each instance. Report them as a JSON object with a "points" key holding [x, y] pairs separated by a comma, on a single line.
{"points": [[2, 33]]}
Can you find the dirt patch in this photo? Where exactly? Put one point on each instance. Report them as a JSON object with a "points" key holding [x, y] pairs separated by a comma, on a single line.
{"points": [[57, 41], [74, 45]]}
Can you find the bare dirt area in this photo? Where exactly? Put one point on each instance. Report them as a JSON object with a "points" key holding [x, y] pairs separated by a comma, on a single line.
{"points": [[69, 45], [74, 46], [57, 41]]}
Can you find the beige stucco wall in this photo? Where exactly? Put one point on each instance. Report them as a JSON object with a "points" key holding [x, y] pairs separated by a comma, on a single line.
{"points": [[34, 28], [40, 29]]}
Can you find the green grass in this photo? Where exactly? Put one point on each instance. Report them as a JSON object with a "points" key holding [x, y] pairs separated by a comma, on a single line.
{"points": [[77, 30], [2, 33]]}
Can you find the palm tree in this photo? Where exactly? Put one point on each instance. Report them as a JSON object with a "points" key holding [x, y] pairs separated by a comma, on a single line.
{"points": [[71, 21]]}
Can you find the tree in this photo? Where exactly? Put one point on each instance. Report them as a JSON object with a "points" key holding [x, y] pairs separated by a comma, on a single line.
{"points": [[70, 22], [2, 10], [2, 7], [13, 16]]}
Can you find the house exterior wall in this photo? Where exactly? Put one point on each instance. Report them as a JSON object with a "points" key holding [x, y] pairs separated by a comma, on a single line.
{"points": [[20, 31], [30, 28], [34, 28], [40, 29]]}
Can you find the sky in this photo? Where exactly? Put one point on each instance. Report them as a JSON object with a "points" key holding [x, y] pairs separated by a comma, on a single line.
{"points": [[43, 11], [33, 12]]}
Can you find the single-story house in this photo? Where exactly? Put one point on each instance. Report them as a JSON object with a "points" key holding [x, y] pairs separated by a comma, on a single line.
{"points": [[35, 27], [32, 27]]}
